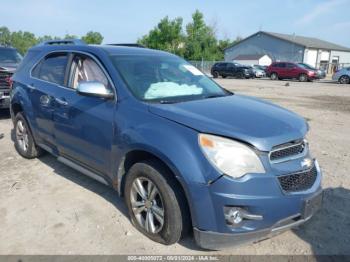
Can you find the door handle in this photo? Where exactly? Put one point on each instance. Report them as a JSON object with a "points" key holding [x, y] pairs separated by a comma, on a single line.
{"points": [[31, 87], [45, 100], [61, 102]]}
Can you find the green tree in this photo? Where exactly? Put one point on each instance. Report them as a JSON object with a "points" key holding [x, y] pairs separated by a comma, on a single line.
{"points": [[5, 36], [225, 43], [22, 41], [201, 42], [68, 36], [93, 38], [47, 38], [167, 35]]}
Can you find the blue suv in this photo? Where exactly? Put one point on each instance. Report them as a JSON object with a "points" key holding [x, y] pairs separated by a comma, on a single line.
{"points": [[186, 154]]}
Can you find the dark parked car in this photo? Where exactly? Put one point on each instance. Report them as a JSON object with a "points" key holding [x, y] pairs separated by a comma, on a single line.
{"points": [[185, 153], [225, 69], [9, 60], [320, 73], [287, 70]]}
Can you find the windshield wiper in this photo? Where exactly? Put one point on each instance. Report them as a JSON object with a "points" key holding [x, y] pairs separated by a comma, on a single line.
{"points": [[167, 102], [217, 95]]}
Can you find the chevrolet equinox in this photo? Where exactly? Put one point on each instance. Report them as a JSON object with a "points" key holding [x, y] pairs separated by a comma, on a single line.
{"points": [[186, 154]]}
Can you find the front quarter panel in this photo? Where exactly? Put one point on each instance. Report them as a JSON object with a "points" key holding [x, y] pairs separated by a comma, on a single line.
{"points": [[174, 144]]}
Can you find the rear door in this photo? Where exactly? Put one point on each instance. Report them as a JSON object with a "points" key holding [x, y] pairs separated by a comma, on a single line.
{"points": [[281, 70], [292, 70], [231, 69], [84, 125], [47, 78]]}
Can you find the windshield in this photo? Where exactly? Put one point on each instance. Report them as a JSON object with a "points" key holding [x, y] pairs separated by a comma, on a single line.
{"points": [[9, 56], [165, 79]]}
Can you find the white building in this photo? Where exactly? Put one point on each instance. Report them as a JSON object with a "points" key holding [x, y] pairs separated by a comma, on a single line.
{"points": [[264, 60]]}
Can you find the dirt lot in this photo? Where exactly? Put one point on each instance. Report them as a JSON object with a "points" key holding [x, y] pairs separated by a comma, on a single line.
{"points": [[47, 208]]}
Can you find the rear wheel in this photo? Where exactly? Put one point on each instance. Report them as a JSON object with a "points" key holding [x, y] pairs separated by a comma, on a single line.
{"points": [[344, 80], [24, 141], [274, 76], [303, 78], [215, 74], [155, 205]]}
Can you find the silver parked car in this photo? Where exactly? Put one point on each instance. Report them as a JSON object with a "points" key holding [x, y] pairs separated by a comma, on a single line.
{"points": [[342, 76]]}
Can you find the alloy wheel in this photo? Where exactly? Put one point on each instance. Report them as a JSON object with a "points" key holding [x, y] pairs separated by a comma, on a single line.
{"points": [[344, 80], [147, 205], [22, 135]]}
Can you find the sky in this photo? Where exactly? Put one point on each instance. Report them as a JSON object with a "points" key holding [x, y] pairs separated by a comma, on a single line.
{"points": [[126, 21]]}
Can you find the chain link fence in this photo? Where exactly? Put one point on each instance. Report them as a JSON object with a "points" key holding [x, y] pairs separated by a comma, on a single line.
{"points": [[204, 66]]}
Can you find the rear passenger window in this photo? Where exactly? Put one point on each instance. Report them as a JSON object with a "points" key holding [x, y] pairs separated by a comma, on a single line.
{"points": [[52, 68]]}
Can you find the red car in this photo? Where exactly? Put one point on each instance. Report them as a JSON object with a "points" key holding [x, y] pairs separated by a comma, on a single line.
{"points": [[287, 70]]}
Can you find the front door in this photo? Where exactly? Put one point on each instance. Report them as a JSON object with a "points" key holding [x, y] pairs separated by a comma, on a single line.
{"points": [[84, 125]]}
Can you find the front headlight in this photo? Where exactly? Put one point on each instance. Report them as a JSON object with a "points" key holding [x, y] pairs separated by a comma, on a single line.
{"points": [[230, 157]]}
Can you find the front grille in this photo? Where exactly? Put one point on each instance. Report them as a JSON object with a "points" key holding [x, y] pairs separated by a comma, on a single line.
{"points": [[4, 79], [287, 151], [299, 181]]}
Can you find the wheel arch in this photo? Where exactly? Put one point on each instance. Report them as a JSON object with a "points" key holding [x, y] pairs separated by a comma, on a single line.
{"points": [[137, 155]]}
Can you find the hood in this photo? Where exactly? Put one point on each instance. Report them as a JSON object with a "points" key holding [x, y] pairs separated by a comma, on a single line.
{"points": [[259, 123], [9, 67]]}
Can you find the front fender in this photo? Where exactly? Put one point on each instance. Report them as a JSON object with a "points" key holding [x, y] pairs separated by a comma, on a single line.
{"points": [[176, 145]]}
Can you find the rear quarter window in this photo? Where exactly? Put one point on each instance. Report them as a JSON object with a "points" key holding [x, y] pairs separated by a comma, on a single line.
{"points": [[52, 68]]}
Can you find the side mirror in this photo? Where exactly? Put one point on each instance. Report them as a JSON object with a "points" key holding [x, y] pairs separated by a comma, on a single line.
{"points": [[94, 88]]}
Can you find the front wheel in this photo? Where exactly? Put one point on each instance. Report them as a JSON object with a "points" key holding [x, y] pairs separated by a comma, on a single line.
{"points": [[344, 80], [274, 76], [154, 203]]}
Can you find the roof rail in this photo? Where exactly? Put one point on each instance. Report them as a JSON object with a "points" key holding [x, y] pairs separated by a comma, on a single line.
{"points": [[129, 45], [64, 42]]}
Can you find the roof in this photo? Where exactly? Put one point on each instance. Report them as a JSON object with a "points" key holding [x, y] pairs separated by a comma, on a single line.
{"points": [[308, 42], [111, 50], [249, 57]]}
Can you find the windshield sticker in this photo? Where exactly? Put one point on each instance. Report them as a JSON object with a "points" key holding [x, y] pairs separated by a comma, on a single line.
{"points": [[193, 70]]}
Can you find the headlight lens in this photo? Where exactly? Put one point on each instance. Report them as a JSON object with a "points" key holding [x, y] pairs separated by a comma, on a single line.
{"points": [[230, 157]]}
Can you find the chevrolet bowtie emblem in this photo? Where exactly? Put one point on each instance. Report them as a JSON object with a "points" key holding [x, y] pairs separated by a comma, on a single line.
{"points": [[306, 163]]}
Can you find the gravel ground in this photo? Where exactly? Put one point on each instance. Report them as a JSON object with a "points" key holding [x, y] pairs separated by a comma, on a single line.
{"points": [[48, 208]]}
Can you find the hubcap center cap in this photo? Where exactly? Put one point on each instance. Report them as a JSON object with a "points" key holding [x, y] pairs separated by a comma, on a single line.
{"points": [[148, 204]]}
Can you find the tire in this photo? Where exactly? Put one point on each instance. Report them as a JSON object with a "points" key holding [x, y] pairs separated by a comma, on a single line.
{"points": [[215, 74], [240, 75], [165, 199], [24, 141], [274, 76], [344, 79], [303, 78]]}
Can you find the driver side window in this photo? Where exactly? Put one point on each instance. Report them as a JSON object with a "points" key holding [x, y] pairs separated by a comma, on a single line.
{"points": [[85, 69]]}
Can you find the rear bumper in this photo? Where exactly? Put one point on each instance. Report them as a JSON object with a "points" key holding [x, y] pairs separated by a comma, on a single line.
{"points": [[216, 241]]}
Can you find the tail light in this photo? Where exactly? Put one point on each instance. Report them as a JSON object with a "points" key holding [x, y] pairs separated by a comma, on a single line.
{"points": [[9, 81]]}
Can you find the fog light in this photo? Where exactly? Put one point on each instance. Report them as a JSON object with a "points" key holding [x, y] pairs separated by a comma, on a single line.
{"points": [[235, 215]]}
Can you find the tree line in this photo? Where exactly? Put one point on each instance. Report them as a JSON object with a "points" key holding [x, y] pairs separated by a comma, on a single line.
{"points": [[197, 41], [23, 40]]}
